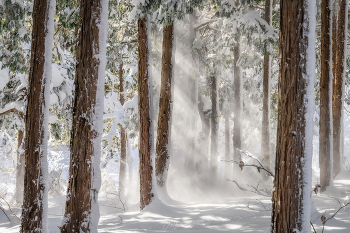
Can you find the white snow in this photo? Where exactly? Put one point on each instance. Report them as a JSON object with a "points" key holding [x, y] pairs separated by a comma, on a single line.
{"points": [[4, 77]]}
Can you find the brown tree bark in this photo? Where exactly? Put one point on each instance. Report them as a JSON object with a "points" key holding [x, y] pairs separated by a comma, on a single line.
{"points": [[265, 129], [34, 211], [238, 102], [122, 170], [165, 108], [325, 140], [214, 128], [145, 116], [338, 84], [20, 169], [291, 198], [81, 209]]}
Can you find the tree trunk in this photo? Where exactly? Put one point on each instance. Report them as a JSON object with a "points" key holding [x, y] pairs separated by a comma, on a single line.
{"points": [[291, 201], [145, 115], [34, 211], [238, 102], [325, 143], [122, 170], [20, 168], [265, 129], [165, 108], [214, 128], [81, 209], [338, 85]]}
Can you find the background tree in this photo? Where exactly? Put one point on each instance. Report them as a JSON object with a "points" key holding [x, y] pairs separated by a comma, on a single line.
{"points": [[326, 152], [339, 52]]}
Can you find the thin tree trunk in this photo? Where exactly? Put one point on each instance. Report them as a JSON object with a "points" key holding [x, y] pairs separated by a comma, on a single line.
{"points": [[265, 129], [81, 209], [34, 211], [325, 150], [165, 109], [145, 115], [214, 129], [238, 102], [20, 168], [122, 170], [291, 200], [338, 85]]}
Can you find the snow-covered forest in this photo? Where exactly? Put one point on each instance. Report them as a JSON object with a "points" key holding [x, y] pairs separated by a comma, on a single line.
{"points": [[174, 116]]}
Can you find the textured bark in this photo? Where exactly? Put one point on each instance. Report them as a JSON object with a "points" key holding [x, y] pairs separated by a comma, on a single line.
{"points": [[146, 126], [325, 150], [20, 168], [122, 170], [338, 85], [34, 211], [82, 191], [292, 184], [265, 129], [165, 108], [238, 102], [214, 128]]}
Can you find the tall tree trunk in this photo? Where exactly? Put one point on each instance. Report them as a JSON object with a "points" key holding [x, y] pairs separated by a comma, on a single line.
{"points": [[238, 102], [338, 85], [20, 168], [122, 170], [145, 115], [165, 109], [291, 200], [34, 211], [265, 129], [81, 209], [325, 149], [214, 128]]}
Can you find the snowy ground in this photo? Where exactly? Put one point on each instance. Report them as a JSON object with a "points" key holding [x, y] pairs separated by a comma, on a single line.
{"points": [[243, 213]]}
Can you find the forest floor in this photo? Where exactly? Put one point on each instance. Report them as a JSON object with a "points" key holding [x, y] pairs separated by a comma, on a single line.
{"points": [[245, 213]]}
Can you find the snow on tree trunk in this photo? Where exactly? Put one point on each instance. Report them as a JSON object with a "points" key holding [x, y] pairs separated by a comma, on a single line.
{"points": [[165, 110], [338, 85], [291, 200], [238, 102], [265, 129], [214, 128], [82, 210], [326, 150], [34, 211], [122, 170], [20, 168], [145, 116]]}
